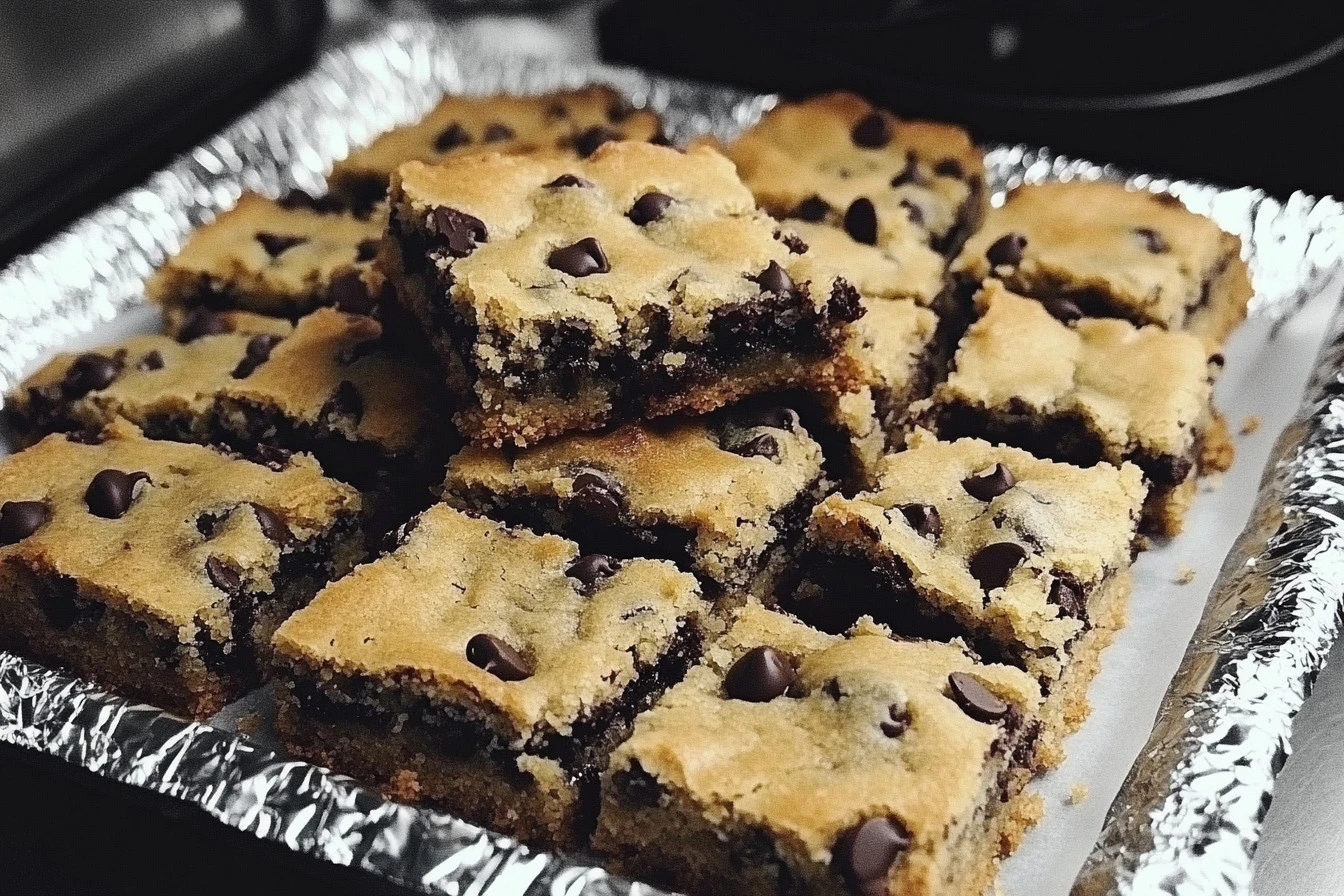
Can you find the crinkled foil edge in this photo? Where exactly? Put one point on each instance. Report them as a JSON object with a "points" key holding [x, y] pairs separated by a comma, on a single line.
{"points": [[1188, 817]]}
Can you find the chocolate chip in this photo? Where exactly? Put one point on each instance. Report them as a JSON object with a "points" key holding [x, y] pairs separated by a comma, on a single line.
{"points": [[1007, 250], [498, 658], [89, 372], [923, 518], [276, 243], [993, 564], [763, 413], [950, 168], [222, 576], [813, 209], [910, 174], [557, 110], [580, 259], [1068, 596], [451, 137], [649, 207], [913, 212], [461, 232], [763, 445], [596, 495], [349, 293], [498, 132], [272, 526], [872, 131], [1152, 240], [1063, 310], [989, 483], [586, 143], [345, 402], [864, 855], [259, 350], [19, 519], [110, 493], [570, 180], [897, 721], [153, 360], [759, 676], [366, 250], [793, 241], [591, 569], [272, 457], [301, 199], [774, 279], [861, 221], [202, 322], [620, 109], [976, 700]]}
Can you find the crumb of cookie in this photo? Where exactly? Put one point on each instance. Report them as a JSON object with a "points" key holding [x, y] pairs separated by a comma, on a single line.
{"points": [[1077, 793], [1211, 483], [1250, 424], [249, 723], [1185, 575]]}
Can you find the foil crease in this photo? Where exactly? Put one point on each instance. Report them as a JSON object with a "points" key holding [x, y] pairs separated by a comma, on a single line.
{"points": [[1187, 819]]}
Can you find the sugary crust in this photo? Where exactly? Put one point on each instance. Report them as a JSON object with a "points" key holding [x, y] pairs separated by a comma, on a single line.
{"points": [[898, 269], [547, 121], [1068, 520], [694, 260], [1139, 390], [152, 560], [404, 620], [801, 150], [807, 767], [1086, 237], [680, 474], [225, 261], [400, 401]]}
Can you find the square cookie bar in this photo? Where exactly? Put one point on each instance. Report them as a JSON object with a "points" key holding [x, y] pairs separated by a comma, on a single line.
{"points": [[329, 386], [1090, 390], [277, 257], [1027, 560], [485, 670], [1099, 249], [159, 569], [725, 496], [567, 293], [839, 160], [790, 761], [573, 120]]}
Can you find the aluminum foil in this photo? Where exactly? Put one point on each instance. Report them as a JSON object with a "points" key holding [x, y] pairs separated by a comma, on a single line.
{"points": [[1188, 817]]}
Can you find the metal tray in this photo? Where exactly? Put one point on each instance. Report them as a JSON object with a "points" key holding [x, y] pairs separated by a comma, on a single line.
{"points": [[1187, 817]]}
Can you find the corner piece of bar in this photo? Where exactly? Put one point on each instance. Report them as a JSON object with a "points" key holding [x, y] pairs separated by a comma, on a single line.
{"points": [[791, 761], [484, 670], [158, 569]]}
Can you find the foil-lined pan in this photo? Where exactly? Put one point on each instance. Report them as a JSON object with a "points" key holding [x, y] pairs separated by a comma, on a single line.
{"points": [[1187, 819]]}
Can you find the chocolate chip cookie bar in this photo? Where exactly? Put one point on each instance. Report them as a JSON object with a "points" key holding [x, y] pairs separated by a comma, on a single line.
{"points": [[576, 121], [1027, 560], [277, 257], [166, 386], [329, 385], [566, 294], [1085, 391], [838, 160], [790, 761], [160, 569], [1098, 249], [724, 496], [485, 670]]}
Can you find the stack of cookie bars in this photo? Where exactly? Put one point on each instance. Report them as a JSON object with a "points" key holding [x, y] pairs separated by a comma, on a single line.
{"points": [[754, 516]]}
